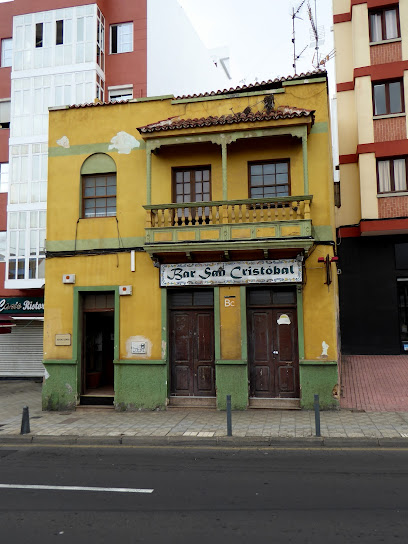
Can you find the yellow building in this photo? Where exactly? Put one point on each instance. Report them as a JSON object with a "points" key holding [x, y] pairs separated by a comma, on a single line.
{"points": [[189, 251]]}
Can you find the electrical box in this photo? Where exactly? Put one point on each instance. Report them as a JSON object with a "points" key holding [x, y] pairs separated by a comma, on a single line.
{"points": [[68, 278], [125, 290]]}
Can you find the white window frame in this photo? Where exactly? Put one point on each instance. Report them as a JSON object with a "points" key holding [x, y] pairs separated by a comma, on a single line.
{"points": [[6, 52], [122, 46], [4, 177], [120, 92]]}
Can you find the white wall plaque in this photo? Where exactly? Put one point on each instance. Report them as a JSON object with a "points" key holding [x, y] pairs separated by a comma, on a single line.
{"points": [[62, 339], [138, 348], [239, 273]]}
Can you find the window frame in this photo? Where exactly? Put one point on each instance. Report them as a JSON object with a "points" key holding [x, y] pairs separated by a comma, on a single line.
{"points": [[3, 54], [382, 12], [39, 35], [261, 163], [59, 29], [387, 84], [84, 198], [392, 176], [194, 168], [118, 25]]}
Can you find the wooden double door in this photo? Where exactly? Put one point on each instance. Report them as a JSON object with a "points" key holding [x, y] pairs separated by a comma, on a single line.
{"points": [[192, 360], [272, 343]]}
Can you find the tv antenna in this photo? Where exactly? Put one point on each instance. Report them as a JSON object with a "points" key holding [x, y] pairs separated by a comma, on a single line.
{"points": [[295, 15], [314, 32]]}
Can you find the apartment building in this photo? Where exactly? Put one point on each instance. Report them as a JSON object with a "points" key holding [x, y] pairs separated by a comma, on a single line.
{"points": [[371, 40], [193, 257], [57, 53]]}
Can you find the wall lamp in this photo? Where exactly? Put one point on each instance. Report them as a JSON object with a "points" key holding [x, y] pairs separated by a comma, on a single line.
{"points": [[327, 262]]}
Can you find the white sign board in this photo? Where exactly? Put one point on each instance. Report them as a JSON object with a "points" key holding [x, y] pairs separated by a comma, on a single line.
{"points": [[238, 273]]}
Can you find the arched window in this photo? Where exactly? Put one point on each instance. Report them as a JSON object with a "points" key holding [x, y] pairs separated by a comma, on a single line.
{"points": [[98, 175]]}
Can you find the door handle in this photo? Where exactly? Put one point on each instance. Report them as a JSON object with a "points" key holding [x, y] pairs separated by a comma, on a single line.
{"points": [[275, 352]]}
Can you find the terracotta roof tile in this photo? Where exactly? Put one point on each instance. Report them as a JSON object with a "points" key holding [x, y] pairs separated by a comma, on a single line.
{"points": [[258, 85], [175, 123]]}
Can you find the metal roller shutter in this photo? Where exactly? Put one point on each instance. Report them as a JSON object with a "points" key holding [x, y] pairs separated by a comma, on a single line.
{"points": [[21, 351]]}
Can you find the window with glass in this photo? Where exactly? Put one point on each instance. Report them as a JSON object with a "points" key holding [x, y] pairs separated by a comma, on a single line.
{"points": [[39, 37], [192, 184], [121, 38], [392, 175], [388, 97], [59, 32], [99, 195], [4, 177], [269, 179], [6, 52], [384, 24], [26, 245]]}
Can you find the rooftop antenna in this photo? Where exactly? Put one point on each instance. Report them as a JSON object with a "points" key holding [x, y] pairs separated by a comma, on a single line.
{"points": [[295, 13], [314, 31]]}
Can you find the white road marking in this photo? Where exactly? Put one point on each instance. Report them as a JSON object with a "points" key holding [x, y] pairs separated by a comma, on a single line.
{"points": [[76, 488]]}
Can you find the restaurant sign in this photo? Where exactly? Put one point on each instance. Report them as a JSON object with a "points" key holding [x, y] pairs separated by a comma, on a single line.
{"points": [[236, 273], [21, 305]]}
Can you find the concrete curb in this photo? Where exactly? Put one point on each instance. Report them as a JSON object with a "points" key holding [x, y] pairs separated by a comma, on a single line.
{"points": [[216, 441]]}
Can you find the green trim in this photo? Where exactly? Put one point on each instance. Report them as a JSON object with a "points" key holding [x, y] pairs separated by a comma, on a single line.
{"points": [[164, 335], [98, 163], [148, 175], [320, 128], [322, 233], [225, 96], [97, 243], [317, 363], [155, 141], [152, 98], [301, 328], [88, 149], [304, 81], [254, 201], [224, 170], [244, 333], [217, 328], [231, 362], [60, 362], [139, 362], [305, 164]]}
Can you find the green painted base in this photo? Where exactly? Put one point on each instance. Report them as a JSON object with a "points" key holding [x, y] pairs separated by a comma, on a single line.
{"points": [[319, 379], [140, 387], [59, 389], [232, 380]]}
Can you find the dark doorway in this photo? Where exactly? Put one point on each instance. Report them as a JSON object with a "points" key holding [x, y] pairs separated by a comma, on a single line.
{"points": [[403, 313], [272, 343], [191, 323], [98, 349]]}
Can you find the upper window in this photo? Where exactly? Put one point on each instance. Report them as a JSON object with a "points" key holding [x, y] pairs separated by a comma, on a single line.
{"points": [[269, 179], [384, 25], [120, 92], [59, 39], [388, 98], [192, 184], [39, 37], [392, 175], [98, 186], [121, 38], [6, 52]]}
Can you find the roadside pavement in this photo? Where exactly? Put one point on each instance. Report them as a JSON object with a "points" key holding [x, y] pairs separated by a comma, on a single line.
{"points": [[176, 425]]}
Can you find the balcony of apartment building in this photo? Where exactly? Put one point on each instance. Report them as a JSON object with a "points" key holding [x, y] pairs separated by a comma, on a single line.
{"points": [[236, 186]]}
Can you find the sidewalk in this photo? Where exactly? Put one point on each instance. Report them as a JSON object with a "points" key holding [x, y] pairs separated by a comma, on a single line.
{"points": [[192, 424]]}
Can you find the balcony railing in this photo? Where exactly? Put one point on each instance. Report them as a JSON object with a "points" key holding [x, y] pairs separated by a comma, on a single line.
{"points": [[253, 210]]}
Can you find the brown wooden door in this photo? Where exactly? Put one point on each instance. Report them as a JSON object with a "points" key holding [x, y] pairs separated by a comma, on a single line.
{"points": [[273, 353], [192, 352]]}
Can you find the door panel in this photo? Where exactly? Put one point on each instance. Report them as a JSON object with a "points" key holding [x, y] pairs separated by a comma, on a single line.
{"points": [[273, 352], [192, 352]]}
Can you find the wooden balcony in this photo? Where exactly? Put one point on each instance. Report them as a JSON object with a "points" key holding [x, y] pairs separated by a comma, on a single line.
{"points": [[282, 222]]}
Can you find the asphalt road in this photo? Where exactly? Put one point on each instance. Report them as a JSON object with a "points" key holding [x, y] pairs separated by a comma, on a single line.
{"points": [[203, 495]]}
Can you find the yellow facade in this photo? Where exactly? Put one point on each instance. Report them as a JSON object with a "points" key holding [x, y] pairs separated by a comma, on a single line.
{"points": [[107, 254]]}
